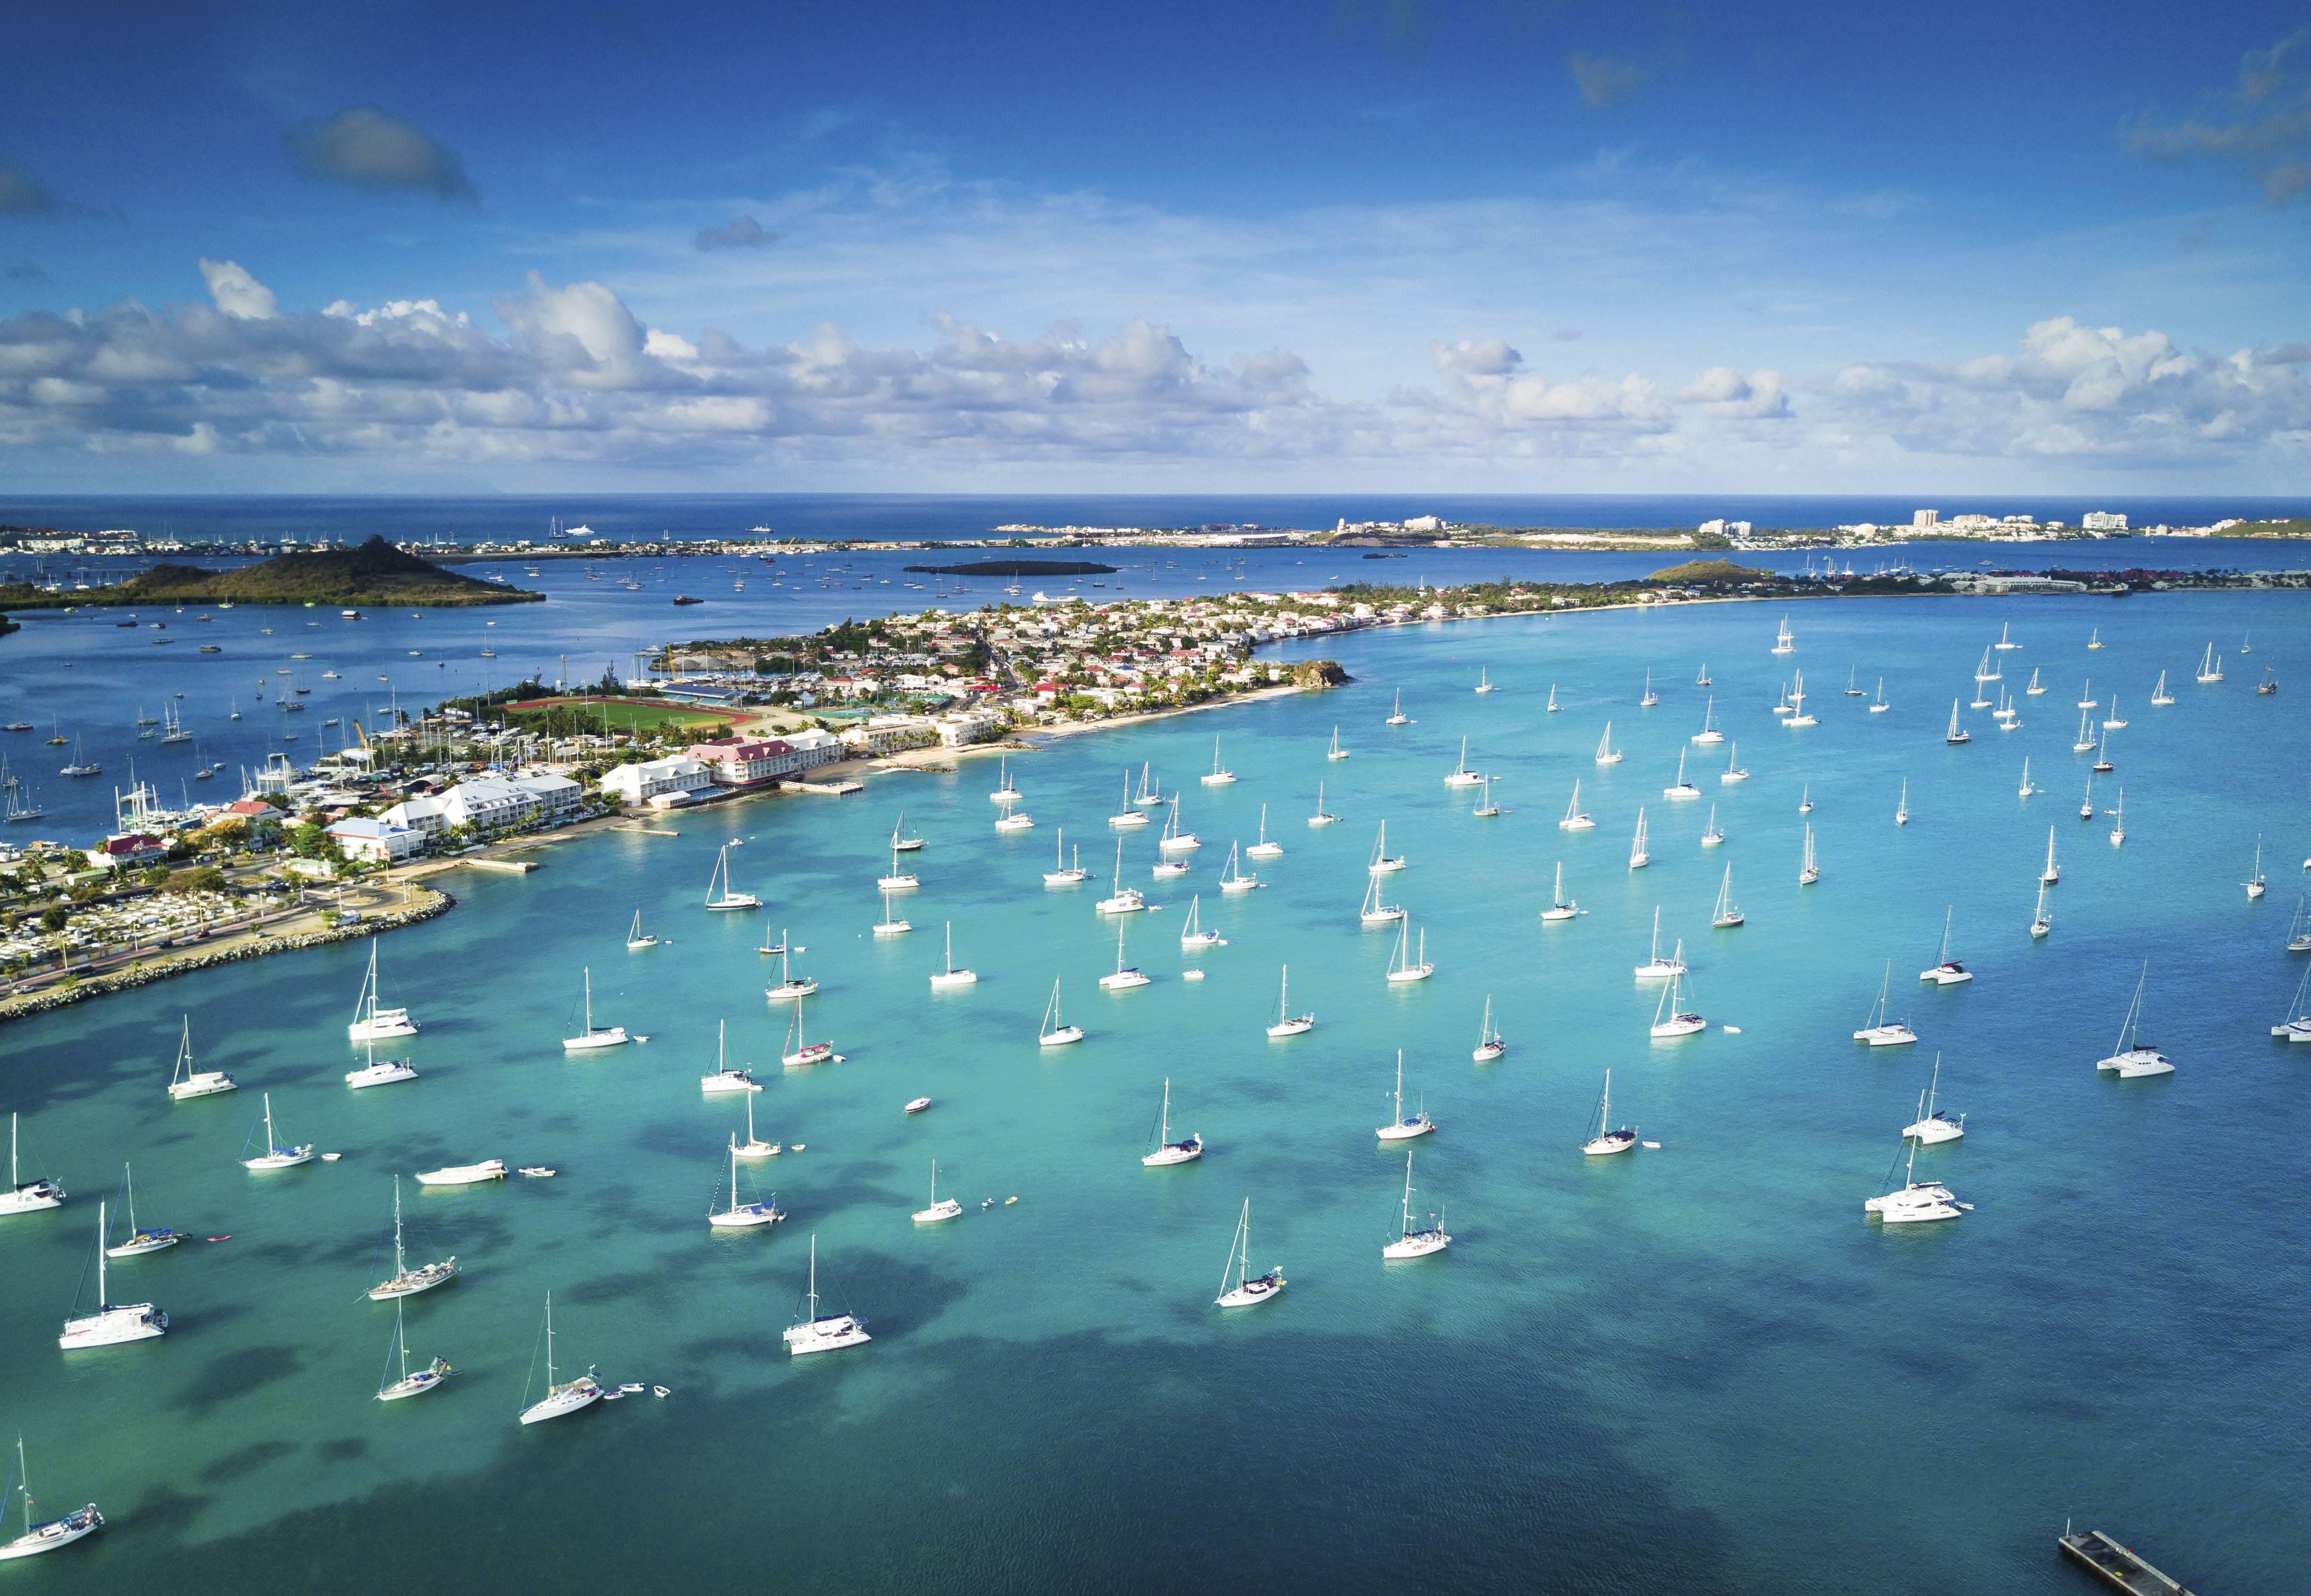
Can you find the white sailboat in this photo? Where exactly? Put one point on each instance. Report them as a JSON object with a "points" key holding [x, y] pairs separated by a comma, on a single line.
{"points": [[2086, 804], [1932, 1125], [1193, 934], [1638, 858], [1175, 839], [1410, 1242], [1553, 705], [1233, 878], [2159, 696], [23, 1196], [636, 940], [390, 1389], [2041, 923], [898, 880], [1122, 898], [753, 1146], [2210, 669], [1560, 907], [1416, 968], [2033, 690], [594, 1036], [1484, 681], [1003, 793], [371, 1023], [406, 1281], [1397, 717], [1463, 776], [1321, 817], [1650, 697], [2084, 743], [1683, 788], [568, 1396], [1670, 1020], [900, 842], [1382, 862], [2027, 790], [1263, 848], [1708, 733], [727, 897], [2133, 1057], [1574, 820], [811, 1333], [2118, 820], [1946, 970], [1375, 912], [1808, 871], [725, 1078], [1336, 751], [1880, 1029], [1701, 676], [790, 987], [1727, 913], [2297, 1024], [43, 1537], [1485, 808], [276, 1155], [1783, 644], [2102, 764], [1248, 1289], [1878, 706], [1732, 773], [1404, 1126], [1987, 672], [1061, 874], [1607, 1140], [2253, 882], [2052, 873], [2114, 721], [1288, 1024], [798, 1053], [1490, 1044], [1657, 968], [1916, 1202], [1606, 753], [1218, 777], [186, 1081], [1712, 834], [1014, 820], [1167, 1151], [1805, 799], [953, 975], [376, 1074], [1055, 1032], [110, 1325], [142, 1239], [1957, 733], [2002, 642], [1798, 716], [1125, 976], [1150, 795], [1902, 806], [1128, 816], [2298, 933], [939, 1211]]}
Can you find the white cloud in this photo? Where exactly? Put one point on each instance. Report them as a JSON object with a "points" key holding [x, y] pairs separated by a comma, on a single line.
{"points": [[236, 293]]}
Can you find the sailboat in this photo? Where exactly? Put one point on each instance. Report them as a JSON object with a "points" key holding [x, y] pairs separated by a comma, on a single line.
{"points": [[1783, 644], [1606, 753], [2118, 820], [141, 1241], [636, 940], [799, 1054], [1711, 835], [2027, 790], [1901, 806], [2133, 1057], [1490, 1045], [593, 1035], [1732, 773], [568, 1396], [1463, 776], [1485, 808], [1727, 913], [1987, 672], [2102, 764], [1217, 776], [811, 1333], [1410, 1242], [1683, 788], [2253, 882], [371, 1023], [276, 1155], [1375, 912], [1575, 821], [1003, 793], [1809, 872], [1850, 690], [725, 1078], [1916, 1202], [1657, 968], [2115, 719], [939, 1211], [1957, 733], [1608, 1140], [898, 880], [900, 842], [186, 1081], [2159, 696], [2041, 923], [1638, 858], [1560, 907], [2052, 873], [2210, 669], [1397, 717], [1055, 1032], [1484, 681], [726, 898], [23, 1196], [1878, 706], [2267, 686], [2086, 804], [1650, 698], [1175, 839], [1263, 848], [1336, 751], [390, 1390], [406, 1281], [1233, 878], [1881, 1030], [1167, 1151], [1797, 705], [1382, 862], [1192, 935], [1404, 1126], [1417, 967], [2085, 741], [1288, 1024], [746, 1216], [1708, 733], [2033, 689], [1014, 820], [2299, 934], [1553, 705], [1678, 1022], [1946, 970], [376, 1074], [753, 1146], [1149, 796], [1931, 1125], [44, 1538], [1248, 1289], [2297, 1025], [1321, 817], [1060, 874], [953, 976], [1125, 976], [1122, 898], [1701, 676], [109, 1326]]}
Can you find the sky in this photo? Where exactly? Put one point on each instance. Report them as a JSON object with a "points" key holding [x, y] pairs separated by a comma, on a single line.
{"points": [[1352, 245]]}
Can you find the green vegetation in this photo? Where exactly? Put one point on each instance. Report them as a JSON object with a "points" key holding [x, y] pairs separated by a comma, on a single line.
{"points": [[1702, 571], [375, 573], [2299, 527], [566, 716]]}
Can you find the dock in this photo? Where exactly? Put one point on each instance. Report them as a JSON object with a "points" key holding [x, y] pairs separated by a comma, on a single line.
{"points": [[2119, 1565], [833, 789], [520, 866]]}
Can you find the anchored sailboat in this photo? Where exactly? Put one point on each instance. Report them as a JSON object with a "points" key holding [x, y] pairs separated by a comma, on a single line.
{"points": [[109, 1326], [1727, 914], [1575, 821], [1192, 935], [1606, 753], [1288, 1024], [276, 1155], [811, 1333], [1166, 1150], [1263, 848], [1931, 1125], [1489, 1043], [727, 897], [953, 975], [938, 1212], [1560, 907], [1946, 970], [140, 1240], [186, 1081], [371, 1023], [1404, 1126], [397, 1346], [1416, 968], [565, 1398], [1248, 1289], [593, 1035], [406, 1281], [2133, 1057], [1881, 1030], [1410, 1242], [1463, 776], [1638, 858], [1218, 777], [1055, 1032], [1608, 1140], [1809, 872]]}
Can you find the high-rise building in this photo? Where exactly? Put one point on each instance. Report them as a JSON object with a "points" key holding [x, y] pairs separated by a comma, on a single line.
{"points": [[1926, 518], [2103, 520]]}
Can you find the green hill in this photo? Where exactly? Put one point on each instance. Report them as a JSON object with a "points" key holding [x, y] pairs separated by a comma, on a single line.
{"points": [[375, 573], [1701, 573]]}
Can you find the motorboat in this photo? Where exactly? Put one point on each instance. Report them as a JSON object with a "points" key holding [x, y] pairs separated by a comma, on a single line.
{"points": [[464, 1174]]}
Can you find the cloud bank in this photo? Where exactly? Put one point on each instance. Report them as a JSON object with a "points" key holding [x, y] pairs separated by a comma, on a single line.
{"points": [[2263, 124], [365, 147]]}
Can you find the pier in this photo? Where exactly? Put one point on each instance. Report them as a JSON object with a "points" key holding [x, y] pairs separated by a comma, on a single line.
{"points": [[2118, 1566]]}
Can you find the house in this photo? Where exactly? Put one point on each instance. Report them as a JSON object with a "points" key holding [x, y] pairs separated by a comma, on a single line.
{"points": [[678, 779], [376, 841]]}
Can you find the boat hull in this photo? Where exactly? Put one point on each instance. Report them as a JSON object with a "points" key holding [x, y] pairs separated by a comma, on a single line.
{"points": [[208, 1084], [561, 1402], [609, 1036], [464, 1174], [57, 1532], [826, 1335], [112, 1327], [1417, 1246]]}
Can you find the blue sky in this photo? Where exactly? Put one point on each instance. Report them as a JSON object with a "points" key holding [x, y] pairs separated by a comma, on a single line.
{"points": [[1482, 247]]}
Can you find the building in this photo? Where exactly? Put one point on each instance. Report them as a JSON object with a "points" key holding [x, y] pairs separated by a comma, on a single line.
{"points": [[677, 779], [1926, 518], [1712, 528], [558, 797], [887, 734], [376, 841], [745, 761], [961, 727], [812, 746], [2103, 520]]}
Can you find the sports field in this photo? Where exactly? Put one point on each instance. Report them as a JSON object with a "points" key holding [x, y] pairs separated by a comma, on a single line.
{"points": [[627, 714]]}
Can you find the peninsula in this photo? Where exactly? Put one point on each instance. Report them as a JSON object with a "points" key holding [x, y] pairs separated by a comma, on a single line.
{"points": [[375, 572]]}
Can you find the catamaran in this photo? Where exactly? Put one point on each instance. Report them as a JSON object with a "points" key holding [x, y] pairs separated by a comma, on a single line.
{"points": [[1683, 788], [1167, 1151], [939, 1211], [1127, 818], [1417, 967], [1320, 817], [2133, 1057], [406, 1281], [1606, 753], [390, 1390], [1574, 820], [593, 1035], [1463, 776], [726, 1078], [811, 1333], [636, 940], [1657, 968], [1916, 1202], [1808, 871], [1638, 858], [1397, 717], [1416, 1243], [1218, 777], [186, 1081], [1560, 907], [953, 975], [43, 1537], [1055, 1032], [1881, 1030], [109, 1326], [1062, 874], [1122, 898], [371, 1023], [1708, 733], [1404, 1126], [726, 898], [1175, 839], [1248, 1289], [1727, 913], [1490, 1044], [1288, 1024], [568, 1396], [1381, 863], [1192, 935], [1233, 878], [1609, 1140], [1932, 1126], [1946, 970], [1678, 1022], [276, 1155], [1336, 751]]}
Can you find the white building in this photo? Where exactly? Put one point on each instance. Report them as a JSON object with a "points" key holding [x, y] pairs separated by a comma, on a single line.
{"points": [[1926, 518], [377, 841], [674, 779], [2103, 520], [556, 796], [960, 727], [1712, 528]]}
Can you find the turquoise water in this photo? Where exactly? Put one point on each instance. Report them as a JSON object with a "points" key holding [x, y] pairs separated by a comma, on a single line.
{"points": [[1697, 1368]]}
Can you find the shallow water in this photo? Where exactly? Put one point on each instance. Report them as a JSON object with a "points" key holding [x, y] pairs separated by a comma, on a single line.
{"points": [[1692, 1367]]}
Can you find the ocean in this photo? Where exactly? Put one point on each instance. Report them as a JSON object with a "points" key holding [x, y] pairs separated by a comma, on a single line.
{"points": [[1697, 1366]]}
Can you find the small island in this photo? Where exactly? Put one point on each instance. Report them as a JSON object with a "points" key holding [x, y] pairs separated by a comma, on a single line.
{"points": [[1021, 568], [376, 573]]}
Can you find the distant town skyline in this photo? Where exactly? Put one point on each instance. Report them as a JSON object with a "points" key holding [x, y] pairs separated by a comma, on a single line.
{"points": [[1344, 247]]}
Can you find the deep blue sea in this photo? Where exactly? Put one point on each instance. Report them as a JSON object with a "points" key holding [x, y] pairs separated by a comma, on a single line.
{"points": [[1697, 1368]]}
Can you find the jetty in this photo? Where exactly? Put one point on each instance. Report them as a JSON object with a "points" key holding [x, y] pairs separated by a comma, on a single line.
{"points": [[2119, 1565]]}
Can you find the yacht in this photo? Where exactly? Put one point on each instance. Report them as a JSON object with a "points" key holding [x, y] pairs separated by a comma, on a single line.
{"points": [[1125, 976], [594, 1036], [1128, 817], [1916, 1202], [725, 1078], [1321, 817], [1732, 773], [1484, 681], [44, 1538], [1218, 777], [1463, 776], [1946, 970], [1490, 1045], [142, 1239], [953, 976], [1410, 1242], [111, 1325], [1933, 1125], [1957, 733], [1382, 862], [1248, 1289], [568, 1396], [1727, 913], [276, 1155], [1708, 733], [1712, 834], [1061, 873], [1609, 1140], [2133, 1058], [2041, 923], [727, 897], [1288, 1024], [1404, 1126], [939, 1211], [464, 1174], [1167, 1151], [1638, 858], [2052, 873], [371, 1023], [810, 1333], [1397, 717], [1417, 967], [1670, 1021], [1055, 1032], [792, 987], [1683, 788], [377, 1073], [1232, 878], [1193, 934], [186, 1081], [1175, 839], [1121, 899], [1560, 907], [1575, 821], [406, 1281], [1879, 1030], [409, 1385], [23, 1196], [1263, 848], [1657, 968], [1606, 753], [1336, 751]]}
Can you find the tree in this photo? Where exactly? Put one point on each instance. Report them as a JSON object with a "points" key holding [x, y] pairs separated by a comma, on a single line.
{"points": [[55, 918]]}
